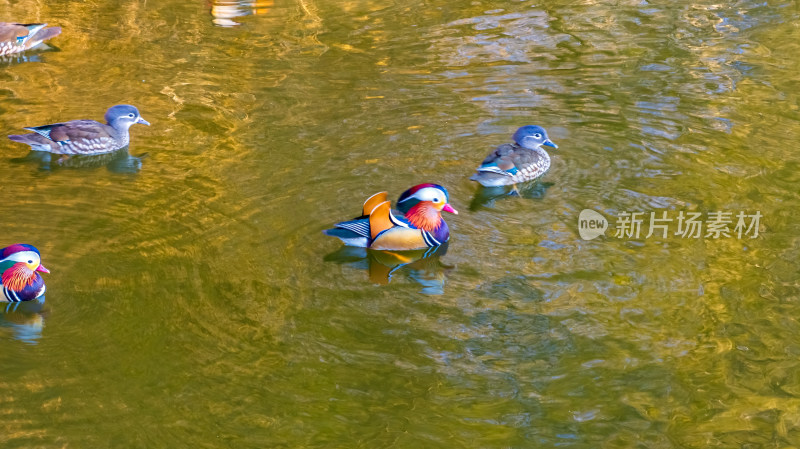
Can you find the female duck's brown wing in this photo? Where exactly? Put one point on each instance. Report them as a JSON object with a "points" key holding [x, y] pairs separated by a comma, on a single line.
{"points": [[17, 37], [510, 164], [74, 130], [73, 137]]}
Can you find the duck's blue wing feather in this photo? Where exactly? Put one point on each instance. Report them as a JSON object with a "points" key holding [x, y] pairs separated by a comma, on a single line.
{"points": [[352, 233], [359, 227]]}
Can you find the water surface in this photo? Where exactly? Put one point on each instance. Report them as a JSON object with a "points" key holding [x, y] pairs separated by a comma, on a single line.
{"points": [[190, 302]]}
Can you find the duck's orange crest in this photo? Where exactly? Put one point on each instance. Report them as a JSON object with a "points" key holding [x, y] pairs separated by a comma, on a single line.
{"points": [[18, 277]]}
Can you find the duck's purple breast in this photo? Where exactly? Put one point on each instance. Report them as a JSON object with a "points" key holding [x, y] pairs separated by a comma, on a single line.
{"points": [[442, 233], [32, 291]]}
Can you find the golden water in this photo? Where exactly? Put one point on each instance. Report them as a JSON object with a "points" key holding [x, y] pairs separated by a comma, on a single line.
{"points": [[192, 301]]}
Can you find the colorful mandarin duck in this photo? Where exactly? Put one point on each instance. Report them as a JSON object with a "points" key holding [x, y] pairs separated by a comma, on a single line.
{"points": [[511, 163], [418, 225], [18, 37], [20, 266], [84, 136]]}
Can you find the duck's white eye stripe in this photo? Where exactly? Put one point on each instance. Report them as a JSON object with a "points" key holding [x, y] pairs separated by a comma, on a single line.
{"points": [[24, 257], [430, 194]]}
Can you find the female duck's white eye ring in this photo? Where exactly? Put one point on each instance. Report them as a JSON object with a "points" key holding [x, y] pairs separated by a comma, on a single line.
{"points": [[537, 136]]}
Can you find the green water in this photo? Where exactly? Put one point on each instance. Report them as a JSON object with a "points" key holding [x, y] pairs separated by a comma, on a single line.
{"points": [[192, 301]]}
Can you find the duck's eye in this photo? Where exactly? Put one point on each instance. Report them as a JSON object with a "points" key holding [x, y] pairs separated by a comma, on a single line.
{"points": [[436, 200], [30, 262], [131, 115], [537, 136]]}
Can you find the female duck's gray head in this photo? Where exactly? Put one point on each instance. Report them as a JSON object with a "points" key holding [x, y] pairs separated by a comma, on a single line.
{"points": [[532, 137], [123, 116]]}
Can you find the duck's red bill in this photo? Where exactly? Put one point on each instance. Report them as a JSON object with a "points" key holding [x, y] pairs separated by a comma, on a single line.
{"points": [[449, 208]]}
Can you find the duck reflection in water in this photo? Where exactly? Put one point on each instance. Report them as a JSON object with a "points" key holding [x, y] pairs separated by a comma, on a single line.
{"points": [[423, 265], [120, 161], [34, 55], [486, 196], [19, 58], [25, 319], [224, 11]]}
